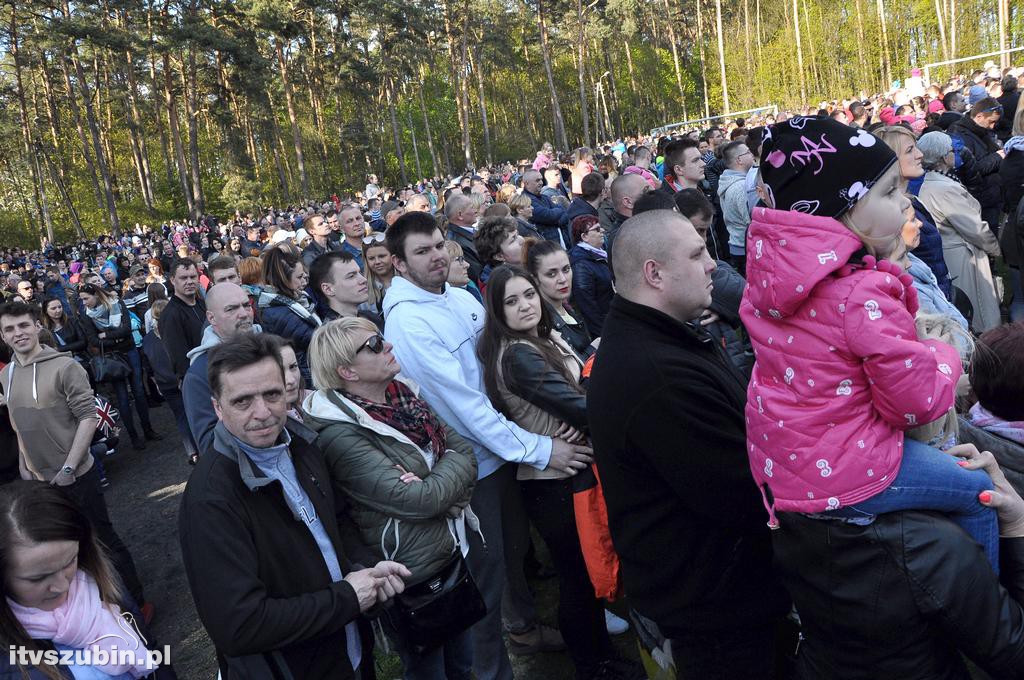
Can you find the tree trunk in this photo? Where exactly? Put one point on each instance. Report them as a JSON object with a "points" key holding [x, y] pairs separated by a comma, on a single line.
{"points": [[155, 96], [703, 63], [952, 29], [940, 17], [670, 22], [757, 11], [31, 147], [814, 50], [616, 111], [1004, 23], [277, 149], [800, 52], [746, 37], [458, 74], [62, 189], [721, 55], [886, 65], [191, 94], [396, 134], [478, 67], [53, 115], [556, 109], [581, 56], [171, 106], [426, 125], [136, 121], [94, 131], [464, 86], [415, 146], [76, 116], [300, 161], [860, 41]]}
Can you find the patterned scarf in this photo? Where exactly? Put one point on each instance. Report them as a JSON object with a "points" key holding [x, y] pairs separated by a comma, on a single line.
{"points": [[408, 414]]}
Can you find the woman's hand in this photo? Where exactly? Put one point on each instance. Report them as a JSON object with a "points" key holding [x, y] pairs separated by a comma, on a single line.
{"points": [[569, 434], [407, 477], [1004, 499]]}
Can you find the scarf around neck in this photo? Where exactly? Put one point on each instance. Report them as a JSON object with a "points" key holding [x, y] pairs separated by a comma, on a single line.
{"points": [[84, 621], [1007, 429], [600, 252], [105, 317], [408, 414]]}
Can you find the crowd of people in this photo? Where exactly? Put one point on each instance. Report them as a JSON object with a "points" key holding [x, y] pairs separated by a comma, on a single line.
{"points": [[764, 381]]}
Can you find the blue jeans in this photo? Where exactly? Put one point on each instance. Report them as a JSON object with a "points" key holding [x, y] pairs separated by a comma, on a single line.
{"points": [[177, 406], [929, 479], [452, 661], [133, 382]]}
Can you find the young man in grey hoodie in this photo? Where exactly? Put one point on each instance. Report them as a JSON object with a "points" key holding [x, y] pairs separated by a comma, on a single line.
{"points": [[53, 411]]}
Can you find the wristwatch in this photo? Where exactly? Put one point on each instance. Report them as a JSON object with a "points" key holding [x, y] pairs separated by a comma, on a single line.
{"points": [[67, 470]]}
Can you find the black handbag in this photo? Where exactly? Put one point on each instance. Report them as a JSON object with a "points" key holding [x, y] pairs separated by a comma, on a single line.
{"points": [[428, 614], [108, 367]]}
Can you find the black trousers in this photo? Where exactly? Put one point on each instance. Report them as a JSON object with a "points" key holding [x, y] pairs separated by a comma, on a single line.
{"points": [[549, 505], [86, 493], [726, 655]]}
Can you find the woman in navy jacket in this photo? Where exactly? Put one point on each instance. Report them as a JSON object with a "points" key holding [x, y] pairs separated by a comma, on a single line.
{"points": [[591, 276], [285, 308]]}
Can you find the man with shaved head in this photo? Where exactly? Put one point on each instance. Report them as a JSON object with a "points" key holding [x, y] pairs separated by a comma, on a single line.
{"points": [[666, 415], [229, 313], [626, 190], [418, 203]]}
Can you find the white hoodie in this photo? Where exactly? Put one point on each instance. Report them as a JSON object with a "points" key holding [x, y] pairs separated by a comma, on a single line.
{"points": [[435, 343]]}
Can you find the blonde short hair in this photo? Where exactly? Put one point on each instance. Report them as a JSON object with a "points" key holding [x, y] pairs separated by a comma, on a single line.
{"points": [[518, 202], [334, 345]]}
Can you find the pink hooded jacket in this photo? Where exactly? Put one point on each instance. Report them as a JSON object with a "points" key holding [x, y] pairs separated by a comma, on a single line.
{"points": [[840, 373]]}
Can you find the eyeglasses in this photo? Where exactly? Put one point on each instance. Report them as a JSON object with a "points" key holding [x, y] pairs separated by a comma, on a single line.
{"points": [[375, 237], [460, 259], [375, 343]]}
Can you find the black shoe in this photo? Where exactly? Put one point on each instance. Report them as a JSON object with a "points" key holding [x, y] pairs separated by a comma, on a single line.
{"points": [[153, 435]]}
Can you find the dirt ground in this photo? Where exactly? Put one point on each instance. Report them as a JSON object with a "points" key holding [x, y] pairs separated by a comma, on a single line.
{"points": [[143, 498]]}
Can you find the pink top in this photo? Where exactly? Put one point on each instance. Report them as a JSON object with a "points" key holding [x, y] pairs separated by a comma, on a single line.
{"points": [[839, 372]]}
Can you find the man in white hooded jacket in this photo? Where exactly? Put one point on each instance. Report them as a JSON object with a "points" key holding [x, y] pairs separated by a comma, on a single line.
{"points": [[434, 329]]}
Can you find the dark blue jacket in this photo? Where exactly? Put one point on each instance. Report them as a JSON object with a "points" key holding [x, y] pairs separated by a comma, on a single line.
{"points": [[591, 287], [930, 248], [551, 221], [579, 207], [279, 319]]}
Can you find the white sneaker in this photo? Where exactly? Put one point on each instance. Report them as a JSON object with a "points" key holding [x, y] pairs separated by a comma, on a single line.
{"points": [[616, 625]]}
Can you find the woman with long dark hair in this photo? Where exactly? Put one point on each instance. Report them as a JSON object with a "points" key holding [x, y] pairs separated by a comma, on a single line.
{"points": [[533, 377], [108, 328], [284, 307], [67, 333], [59, 591], [548, 262]]}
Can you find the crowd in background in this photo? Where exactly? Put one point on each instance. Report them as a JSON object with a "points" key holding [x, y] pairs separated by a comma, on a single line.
{"points": [[386, 395]]}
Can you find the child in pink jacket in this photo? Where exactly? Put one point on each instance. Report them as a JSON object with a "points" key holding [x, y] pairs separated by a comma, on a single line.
{"points": [[840, 373]]}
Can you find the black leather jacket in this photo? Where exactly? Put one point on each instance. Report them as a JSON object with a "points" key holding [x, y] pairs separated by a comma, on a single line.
{"points": [[528, 376], [900, 599], [575, 334]]}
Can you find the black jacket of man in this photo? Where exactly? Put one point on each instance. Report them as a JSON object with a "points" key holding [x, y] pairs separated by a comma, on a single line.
{"points": [[666, 418], [901, 599], [181, 327], [983, 145], [464, 237], [260, 583]]}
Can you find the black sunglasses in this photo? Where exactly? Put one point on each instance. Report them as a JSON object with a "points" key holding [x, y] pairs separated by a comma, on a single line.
{"points": [[375, 343]]}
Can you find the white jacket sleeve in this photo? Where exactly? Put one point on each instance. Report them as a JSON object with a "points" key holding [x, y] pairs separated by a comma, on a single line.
{"points": [[445, 386]]}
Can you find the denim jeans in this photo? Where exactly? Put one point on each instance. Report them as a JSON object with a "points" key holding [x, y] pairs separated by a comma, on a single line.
{"points": [[177, 406], [929, 479], [133, 382]]}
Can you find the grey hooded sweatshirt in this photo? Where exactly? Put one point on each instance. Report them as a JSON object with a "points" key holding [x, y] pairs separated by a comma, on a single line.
{"points": [[47, 397]]}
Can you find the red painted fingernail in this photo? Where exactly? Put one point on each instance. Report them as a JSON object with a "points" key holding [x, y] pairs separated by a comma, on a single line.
{"points": [[962, 463], [985, 496]]}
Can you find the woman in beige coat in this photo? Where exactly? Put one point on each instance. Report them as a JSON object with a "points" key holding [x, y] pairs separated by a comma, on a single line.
{"points": [[967, 240]]}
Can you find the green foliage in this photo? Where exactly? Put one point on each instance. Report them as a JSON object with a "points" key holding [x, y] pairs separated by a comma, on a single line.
{"points": [[348, 62]]}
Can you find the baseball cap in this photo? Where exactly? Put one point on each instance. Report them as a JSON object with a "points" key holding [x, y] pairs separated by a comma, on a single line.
{"points": [[283, 235]]}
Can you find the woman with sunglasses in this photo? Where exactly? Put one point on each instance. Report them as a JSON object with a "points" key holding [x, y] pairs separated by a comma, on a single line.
{"points": [[108, 328], [532, 377], [285, 308], [378, 269], [407, 476]]}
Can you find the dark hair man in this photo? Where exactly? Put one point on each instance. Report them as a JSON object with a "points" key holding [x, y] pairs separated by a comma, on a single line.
{"points": [[181, 324], [260, 534]]}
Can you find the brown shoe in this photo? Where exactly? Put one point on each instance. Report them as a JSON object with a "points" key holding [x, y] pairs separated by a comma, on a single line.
{"points": [[540, 638]]}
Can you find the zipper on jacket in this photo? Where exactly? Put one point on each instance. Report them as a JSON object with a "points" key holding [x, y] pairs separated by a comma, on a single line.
{"points": [[312, 478]]}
